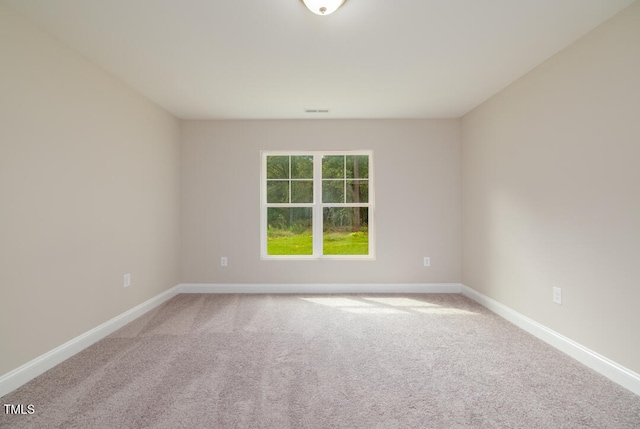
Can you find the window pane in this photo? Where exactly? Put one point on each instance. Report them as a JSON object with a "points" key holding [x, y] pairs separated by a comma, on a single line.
{"points": [[333, 167], [302, 167], [333, 191], [294, 204], [357, 166], [289, 231], [277, 191], [277, 167], [345, 231], [357, 191], [302, 191]]}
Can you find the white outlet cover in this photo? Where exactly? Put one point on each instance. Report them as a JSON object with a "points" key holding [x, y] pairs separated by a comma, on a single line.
{"points": [[127, 280], [557, 295], [427, 261]]}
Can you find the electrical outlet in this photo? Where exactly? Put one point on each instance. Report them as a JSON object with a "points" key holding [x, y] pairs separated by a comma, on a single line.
{"points": [[557, 295], [427, 261], [223, 261], [127, 280]]}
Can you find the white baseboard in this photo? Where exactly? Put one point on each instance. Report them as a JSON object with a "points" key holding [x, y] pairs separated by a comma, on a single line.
{"points": [[610, 369], [319, 288], [21, 375]]}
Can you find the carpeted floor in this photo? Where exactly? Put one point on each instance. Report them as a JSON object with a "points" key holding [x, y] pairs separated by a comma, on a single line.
{"points": [[303, 361]]}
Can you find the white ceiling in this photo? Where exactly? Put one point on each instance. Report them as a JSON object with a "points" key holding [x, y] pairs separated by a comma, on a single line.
{"points": [[264, 59]]}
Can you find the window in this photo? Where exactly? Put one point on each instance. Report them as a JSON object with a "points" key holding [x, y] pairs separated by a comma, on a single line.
{"points": [[317, 205]]}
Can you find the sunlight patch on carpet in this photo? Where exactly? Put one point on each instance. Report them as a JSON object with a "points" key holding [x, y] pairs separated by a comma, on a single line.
{"points": [[445, 311], [401, 302], [373, 310], [338, 302]]}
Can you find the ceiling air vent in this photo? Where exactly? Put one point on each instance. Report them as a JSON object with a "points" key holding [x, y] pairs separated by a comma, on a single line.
{"points": [[316, 110]]}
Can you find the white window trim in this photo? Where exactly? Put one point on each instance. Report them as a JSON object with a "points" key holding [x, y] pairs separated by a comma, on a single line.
{"points": [[317, 205]]}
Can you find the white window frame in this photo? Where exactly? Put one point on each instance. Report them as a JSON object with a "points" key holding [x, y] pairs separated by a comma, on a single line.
{"points": [[317, 205]]}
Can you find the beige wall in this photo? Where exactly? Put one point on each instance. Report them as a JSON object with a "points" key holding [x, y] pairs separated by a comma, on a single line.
{"points": [[551, 192], [417, 199], [88, 191]]}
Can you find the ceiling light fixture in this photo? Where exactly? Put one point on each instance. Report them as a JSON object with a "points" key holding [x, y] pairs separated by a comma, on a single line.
{"points": [[323, 7]]}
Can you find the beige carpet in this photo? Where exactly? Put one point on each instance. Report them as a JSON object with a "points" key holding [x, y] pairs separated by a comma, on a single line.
{"points": [[298, 361]]}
